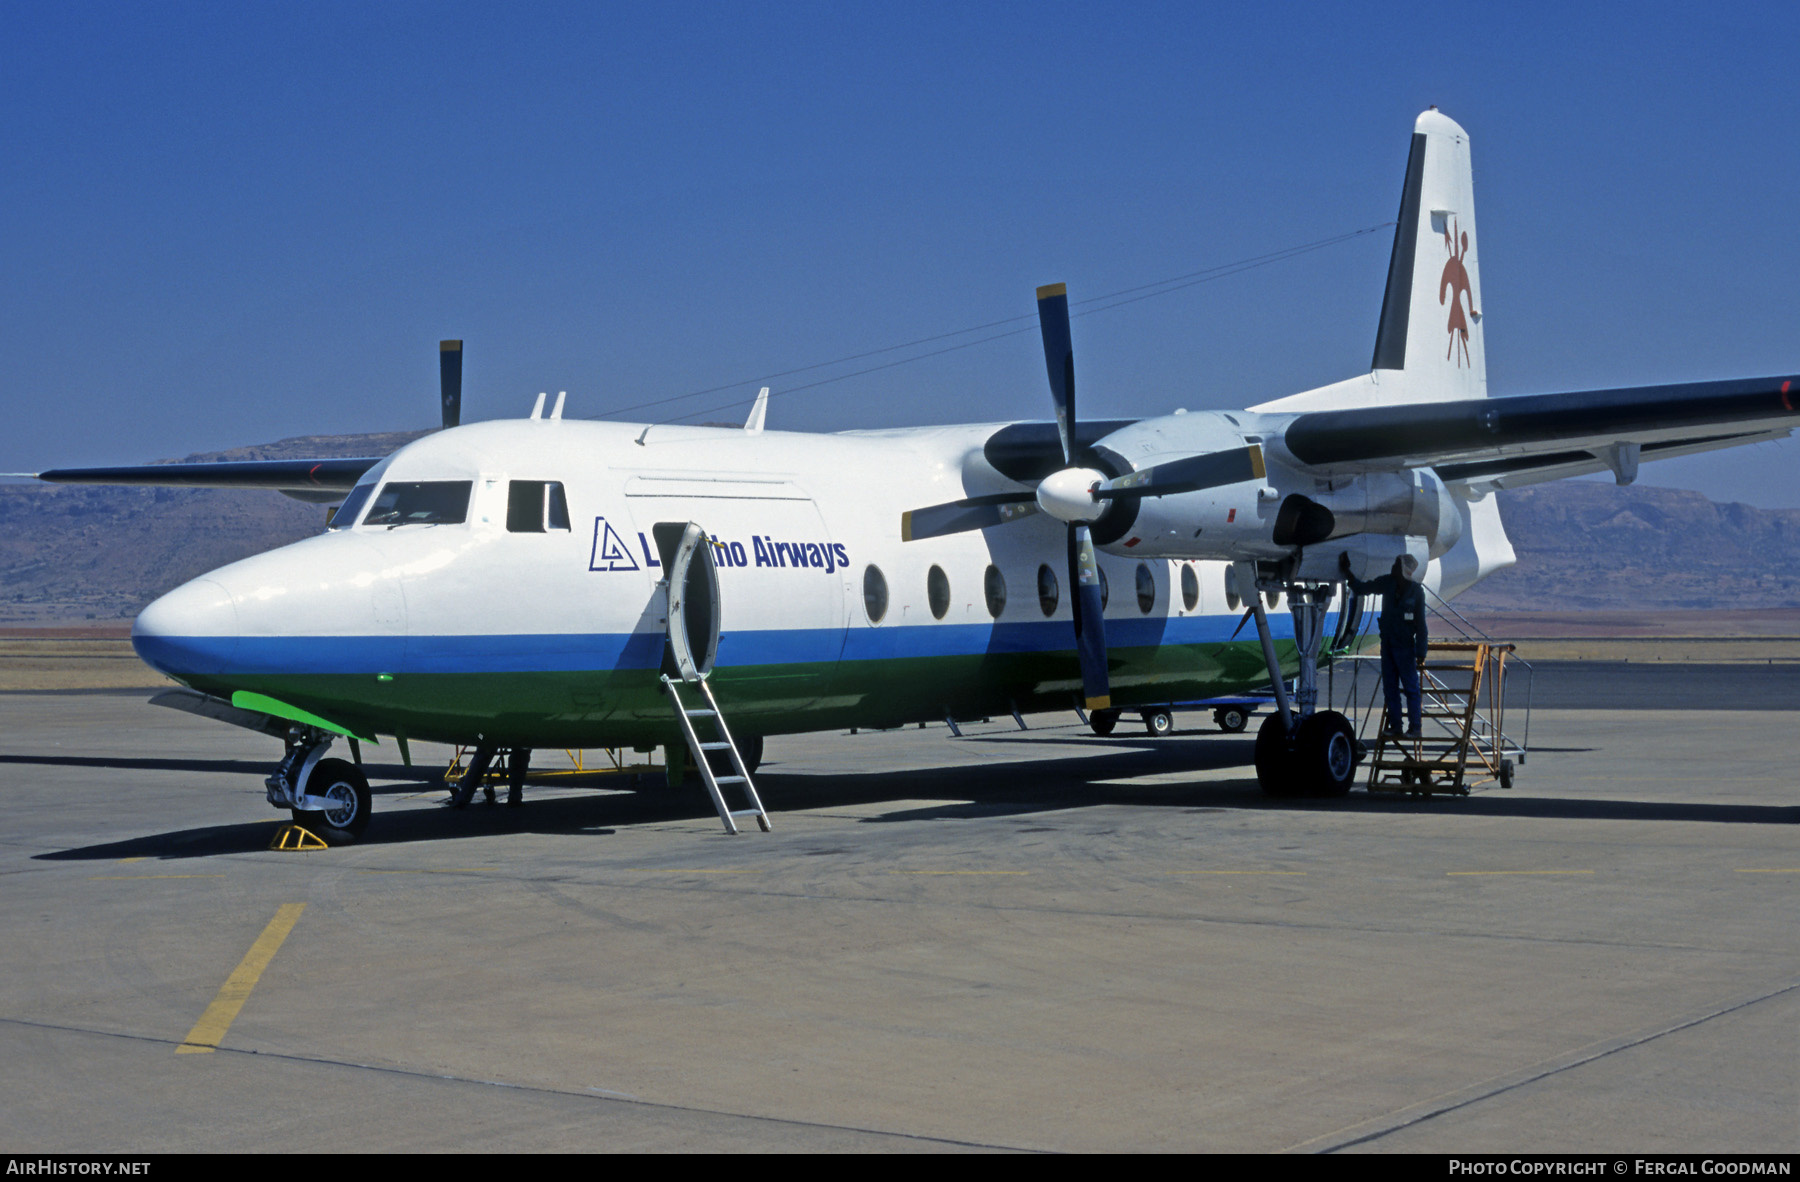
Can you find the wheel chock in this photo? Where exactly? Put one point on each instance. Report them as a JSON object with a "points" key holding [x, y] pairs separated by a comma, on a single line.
{"points": [[297, 837]]}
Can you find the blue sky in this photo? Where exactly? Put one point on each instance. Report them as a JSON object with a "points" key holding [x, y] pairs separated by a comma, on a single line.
{"points": [[224, 224]]}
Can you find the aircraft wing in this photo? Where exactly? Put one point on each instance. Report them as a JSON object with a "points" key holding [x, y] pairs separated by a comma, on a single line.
{"points": [[307, 480], [1501, 442]]}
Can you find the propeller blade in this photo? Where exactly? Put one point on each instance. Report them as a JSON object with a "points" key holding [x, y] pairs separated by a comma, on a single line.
{"points": [[935, 521], [450, 380], [1059, 360], [1090, 621], [1189, 474]]}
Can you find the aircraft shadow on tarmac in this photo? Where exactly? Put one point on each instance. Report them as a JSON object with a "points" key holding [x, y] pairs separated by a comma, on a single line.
{"points": [[971, 791]]}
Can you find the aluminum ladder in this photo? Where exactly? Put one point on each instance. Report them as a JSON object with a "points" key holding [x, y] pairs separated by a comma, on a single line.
{"points": [[702, 751]]}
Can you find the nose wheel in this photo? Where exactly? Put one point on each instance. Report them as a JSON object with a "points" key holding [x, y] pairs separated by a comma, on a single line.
{"points": [[347, 802]]}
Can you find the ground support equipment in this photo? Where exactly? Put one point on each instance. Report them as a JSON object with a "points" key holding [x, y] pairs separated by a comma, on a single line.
{"points": [[1463, 744], [702, 751]]}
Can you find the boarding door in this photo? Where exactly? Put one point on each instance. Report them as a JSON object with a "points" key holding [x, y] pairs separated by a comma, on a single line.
{"points": [[694, 611]]}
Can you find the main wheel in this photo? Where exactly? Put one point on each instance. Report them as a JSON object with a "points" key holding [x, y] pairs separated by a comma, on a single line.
{"points": [[343, 820], [1159, 722], [750, 750], [1103, 721], [1275, 758], [1325, 754], [1231, 719], [1506, 773]]}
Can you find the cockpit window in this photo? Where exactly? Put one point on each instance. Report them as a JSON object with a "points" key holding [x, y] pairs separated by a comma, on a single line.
{"points": [[421, 502], [532, 506], [344, 516]]}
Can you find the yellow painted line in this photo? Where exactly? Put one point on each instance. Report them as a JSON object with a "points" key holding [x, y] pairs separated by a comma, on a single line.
{"points": [[207, 1033], [139, 858], [653, 870], [973, 872], [1475, 873], [1292, 873], [1759, 870], [124, 877]]}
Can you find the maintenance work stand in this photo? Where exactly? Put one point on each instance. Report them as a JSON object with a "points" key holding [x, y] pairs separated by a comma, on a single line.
{"points": [[1462, 686]]}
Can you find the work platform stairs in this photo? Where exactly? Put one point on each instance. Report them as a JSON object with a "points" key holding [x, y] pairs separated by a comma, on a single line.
{"points": [[1464, 743], [703, 750]]}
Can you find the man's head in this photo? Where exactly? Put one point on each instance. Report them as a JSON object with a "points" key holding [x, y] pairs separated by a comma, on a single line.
{"points": [[1406, 567]]}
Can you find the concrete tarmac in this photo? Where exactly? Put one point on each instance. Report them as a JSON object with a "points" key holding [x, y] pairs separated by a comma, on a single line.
{"points": [[1035, 940]]}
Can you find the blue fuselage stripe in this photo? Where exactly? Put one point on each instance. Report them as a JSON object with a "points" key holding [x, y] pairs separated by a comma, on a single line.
{"points": [[564, 652]]}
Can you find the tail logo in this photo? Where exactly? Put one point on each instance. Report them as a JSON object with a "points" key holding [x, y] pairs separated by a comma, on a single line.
{"points": [[1455, 285]]}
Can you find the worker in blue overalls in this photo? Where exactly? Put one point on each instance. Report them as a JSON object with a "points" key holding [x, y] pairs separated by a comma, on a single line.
{"points": [[1403, 635]]}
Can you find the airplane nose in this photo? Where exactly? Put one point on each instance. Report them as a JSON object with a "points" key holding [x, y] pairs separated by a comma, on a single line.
{"points": [[193, 630]]}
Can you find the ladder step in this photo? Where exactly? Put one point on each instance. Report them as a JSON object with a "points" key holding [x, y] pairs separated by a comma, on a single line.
{"points": [[701, 714], [715, 746], [729, 780], [747, 812]]}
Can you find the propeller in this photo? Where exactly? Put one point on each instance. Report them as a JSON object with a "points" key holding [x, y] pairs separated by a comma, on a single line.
{"points": [[450, 380], [1084, 570], [1078, 495]]}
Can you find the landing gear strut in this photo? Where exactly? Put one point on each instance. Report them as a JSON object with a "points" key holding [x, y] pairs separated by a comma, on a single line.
{"points": [[327, 796], [1301, 750]]}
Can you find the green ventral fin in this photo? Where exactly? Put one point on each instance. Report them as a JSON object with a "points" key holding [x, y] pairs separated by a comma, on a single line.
{"points": [[263, 704]]}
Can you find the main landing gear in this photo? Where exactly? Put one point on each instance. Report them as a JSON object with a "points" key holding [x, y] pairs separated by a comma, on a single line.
{"points": [[1301, 750]]}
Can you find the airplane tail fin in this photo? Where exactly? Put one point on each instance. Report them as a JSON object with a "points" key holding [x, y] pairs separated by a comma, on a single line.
{"points": [[1429, 343]]}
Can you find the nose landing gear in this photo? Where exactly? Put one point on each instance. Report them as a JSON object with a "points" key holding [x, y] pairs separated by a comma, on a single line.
{"points": [[329, 797]]}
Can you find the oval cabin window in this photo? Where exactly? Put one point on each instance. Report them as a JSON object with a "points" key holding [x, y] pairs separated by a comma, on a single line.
{"points": [[875, 597], [1190, 587], [993, 585], [1146, 588], [937, 592], [1048, 592]]}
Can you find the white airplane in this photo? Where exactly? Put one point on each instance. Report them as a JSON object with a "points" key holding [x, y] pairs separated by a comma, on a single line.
{"points": [[554, 583]]}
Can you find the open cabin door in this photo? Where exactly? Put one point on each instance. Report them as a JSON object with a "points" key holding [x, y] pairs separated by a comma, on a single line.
{"points": [[686, 554]]}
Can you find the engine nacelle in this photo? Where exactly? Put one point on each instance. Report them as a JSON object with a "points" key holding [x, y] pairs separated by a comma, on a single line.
{"points": [[1394, 504], [1271, 519]]}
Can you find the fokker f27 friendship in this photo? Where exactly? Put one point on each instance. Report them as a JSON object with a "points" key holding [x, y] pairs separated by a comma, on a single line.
{"points": [[548, 583]]}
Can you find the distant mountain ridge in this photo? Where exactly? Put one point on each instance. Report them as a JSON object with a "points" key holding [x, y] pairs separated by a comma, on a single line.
{"points": [[71, 553]]}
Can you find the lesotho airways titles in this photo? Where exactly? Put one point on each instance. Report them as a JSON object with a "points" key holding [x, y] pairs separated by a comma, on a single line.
{"points": [[551, 583]]}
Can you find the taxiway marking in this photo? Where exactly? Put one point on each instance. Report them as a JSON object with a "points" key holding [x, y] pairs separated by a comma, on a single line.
{"points": [[210, 1030], [1482, 873]]}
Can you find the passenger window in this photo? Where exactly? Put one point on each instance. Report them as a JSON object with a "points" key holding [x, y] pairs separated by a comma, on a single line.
{"points": [[421, 502], [533, 505], [937, 591], [1105, 591], [875, 597], [1234, 599], [994, 585], [1048, 592], [1190, 587], [1146, 588]]}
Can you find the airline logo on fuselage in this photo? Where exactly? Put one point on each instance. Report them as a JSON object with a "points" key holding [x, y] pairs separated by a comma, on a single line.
{"points": [[612, 553]]}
